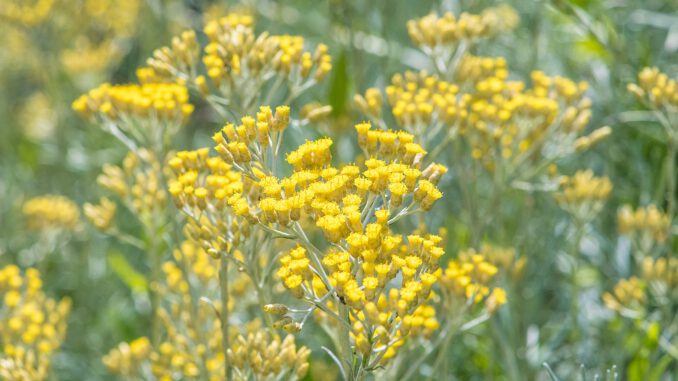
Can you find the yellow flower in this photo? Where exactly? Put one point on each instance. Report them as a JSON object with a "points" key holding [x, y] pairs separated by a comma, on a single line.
{"points": [[51, 212], [34, 325], [583, 195], [102, 215], [646, 222]]}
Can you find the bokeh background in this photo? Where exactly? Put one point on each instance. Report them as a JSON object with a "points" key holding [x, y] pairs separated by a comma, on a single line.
{"points": [[56, 50]]}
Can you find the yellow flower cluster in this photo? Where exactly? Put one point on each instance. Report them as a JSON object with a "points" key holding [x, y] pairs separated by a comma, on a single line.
{"points": [[136, 183], [469, 277], [657, 89], [27, 13], [505, 259], [423, 321], [295, 271], [507, 122], [234, 51], [583, 195], [654, 291], [237, 61], [266, 357], [472, 69], [51, 212], [32, 326], [192, 346], [89, 57], [661, 270], [38, 116], [251, 140], [433, 31], [331, 196], [126, 358], [211, 193], [352, 206], [101, 215], [382, 313], [417, 99], [627, 294], [179, 60], [502, 122], [648, 223], [199, 266], [98, 31], [161, 102]]}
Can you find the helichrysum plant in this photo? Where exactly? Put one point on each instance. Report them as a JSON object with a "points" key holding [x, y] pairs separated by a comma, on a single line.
{"points": [[646, 297], [32, 325], [51, 212], [422, 243], [192, 345], [659, 93], [503, 133], [367, 281], [232, 72], [503, 138]]}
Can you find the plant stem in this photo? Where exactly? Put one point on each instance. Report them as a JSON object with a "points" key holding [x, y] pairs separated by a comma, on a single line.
{"points": [[574, 297], [223, 280], [671, 179], [345, 344], [509, 351], [155, 253]]}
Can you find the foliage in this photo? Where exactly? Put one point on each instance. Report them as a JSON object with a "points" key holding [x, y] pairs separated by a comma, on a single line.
{"points": [[452, 189]]}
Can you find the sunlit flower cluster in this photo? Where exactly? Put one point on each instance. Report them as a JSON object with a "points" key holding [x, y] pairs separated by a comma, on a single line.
{"points": [[164, 106], [647, 223], [473, 69], [657, 89], [417, 101], [32, 326], [51, 212], [469, 277], [126, 359], [136, 183], [505, 125], [370, 278], [101, 215], [264, 356], [100, 30], [583, 195], [192, 343], [505, 259], [145, 118], [382, 312], [28, 13], [628, 294], [192, 346], [433, 32], [238, 63], [654, 291], [38, 116], [663, 271]]}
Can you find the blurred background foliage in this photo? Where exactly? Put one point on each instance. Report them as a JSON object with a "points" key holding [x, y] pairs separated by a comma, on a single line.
{"points": [[46, 148]]}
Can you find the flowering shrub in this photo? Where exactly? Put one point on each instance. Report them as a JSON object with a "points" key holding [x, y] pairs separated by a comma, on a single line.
{"points": [[230, 214]]}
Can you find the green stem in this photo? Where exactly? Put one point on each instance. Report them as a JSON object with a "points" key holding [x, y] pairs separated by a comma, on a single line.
{"points": [[574, 297], [509, 352], [442, 354], [155, 252], [223, 280], [443, 336], [345, 344], [671, 179]]}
